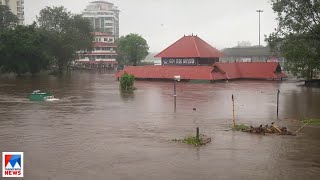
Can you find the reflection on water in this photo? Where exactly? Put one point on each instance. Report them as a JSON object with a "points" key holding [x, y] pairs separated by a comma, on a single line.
{"points": [[96, 132], [126, 96]]}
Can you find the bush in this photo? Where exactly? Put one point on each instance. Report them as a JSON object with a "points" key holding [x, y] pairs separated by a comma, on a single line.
{"points": [[127, 82]]}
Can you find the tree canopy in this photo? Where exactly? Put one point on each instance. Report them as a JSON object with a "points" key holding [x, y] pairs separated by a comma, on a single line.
{"points": [[22, 50], [297, 36], [132, 49], [7, 18], [51, 42], [68, 33]]}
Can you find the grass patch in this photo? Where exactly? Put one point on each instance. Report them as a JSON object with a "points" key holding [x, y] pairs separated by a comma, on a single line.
{"points": [[312, 121], [192, 140], [240, 127]]}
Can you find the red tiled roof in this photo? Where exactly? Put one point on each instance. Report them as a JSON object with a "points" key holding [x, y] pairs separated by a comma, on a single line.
{"points": [[104, 44], [167, 72], [190, 46], [247, 70], [219, 71]]}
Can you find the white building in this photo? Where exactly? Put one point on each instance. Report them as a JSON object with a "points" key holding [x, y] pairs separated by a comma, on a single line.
{"points": [[16, 7], [103, 16], [103, 52]]}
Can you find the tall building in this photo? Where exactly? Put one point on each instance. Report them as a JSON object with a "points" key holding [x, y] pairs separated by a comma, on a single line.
{"points": [[16, 7], [103, 16], [103, 52]]}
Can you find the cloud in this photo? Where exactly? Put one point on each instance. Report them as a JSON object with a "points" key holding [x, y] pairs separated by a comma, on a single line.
{"points": [[161, 22]]}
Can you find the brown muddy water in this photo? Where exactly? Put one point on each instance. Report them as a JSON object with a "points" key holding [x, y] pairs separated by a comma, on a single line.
{"points": [[94, 132]]}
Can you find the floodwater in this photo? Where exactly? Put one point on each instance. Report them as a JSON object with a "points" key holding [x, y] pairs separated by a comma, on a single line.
{"points": [[94, 132]]}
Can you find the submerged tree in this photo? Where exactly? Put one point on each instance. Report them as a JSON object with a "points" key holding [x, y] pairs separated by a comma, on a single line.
{"points": [[131, 49], [7, 18], [297, 36], [67, 33]]}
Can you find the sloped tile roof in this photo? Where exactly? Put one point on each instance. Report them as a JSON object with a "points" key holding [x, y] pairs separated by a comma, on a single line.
{"points": [[219, 71], [190, 46], [249, 70], [168, 72]]}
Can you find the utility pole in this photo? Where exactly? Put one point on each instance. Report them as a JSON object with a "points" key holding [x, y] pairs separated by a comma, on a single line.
{"points": [[259, 11]]}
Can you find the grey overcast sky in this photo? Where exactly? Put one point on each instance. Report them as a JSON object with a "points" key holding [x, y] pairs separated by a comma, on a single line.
{"points": [[222, 23]]}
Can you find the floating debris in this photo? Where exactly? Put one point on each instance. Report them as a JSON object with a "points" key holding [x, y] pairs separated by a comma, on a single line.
{"points": [[267, 129]]}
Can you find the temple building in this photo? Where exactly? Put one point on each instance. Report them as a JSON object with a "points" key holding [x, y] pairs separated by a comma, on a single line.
{"points": [[189, 51], [191, 58]]}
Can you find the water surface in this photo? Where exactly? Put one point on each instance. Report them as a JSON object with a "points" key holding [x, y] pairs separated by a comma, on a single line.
{"points": [[95, 132]]}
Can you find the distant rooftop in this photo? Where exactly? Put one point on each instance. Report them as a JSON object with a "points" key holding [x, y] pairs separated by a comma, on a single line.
{"points": [[247, 51], [104, 2]]}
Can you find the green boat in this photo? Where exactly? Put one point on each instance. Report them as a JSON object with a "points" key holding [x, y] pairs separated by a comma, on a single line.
{"points": [[37, 95]]}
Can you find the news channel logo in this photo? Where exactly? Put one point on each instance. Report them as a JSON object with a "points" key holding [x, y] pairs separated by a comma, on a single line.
{"points": [[12, 164]]}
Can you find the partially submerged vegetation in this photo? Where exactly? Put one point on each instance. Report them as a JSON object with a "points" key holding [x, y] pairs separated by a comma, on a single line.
{"points": [[127, 82], [240, 127], [312, 121], [193, 140]]}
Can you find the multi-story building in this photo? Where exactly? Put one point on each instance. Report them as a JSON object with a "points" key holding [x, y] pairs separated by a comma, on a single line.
{"points": [[16, 7], [103, 52], [103, 16]]}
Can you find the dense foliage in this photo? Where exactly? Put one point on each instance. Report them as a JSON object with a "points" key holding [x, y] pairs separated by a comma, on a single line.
{"points": [[127, 82], [131, 49], [21, 50], [67, 34], [51, 42], [297, 36], [7, 18]]}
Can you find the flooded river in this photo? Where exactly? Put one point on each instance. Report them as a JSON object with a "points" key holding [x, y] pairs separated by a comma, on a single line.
{"points": [[94, 132]]}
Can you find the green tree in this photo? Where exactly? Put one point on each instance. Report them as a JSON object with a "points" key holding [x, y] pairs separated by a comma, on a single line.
{"points": [[297, 36], [21, 50], [67, 33], [7, 18], [126, 82], [131, 49]]}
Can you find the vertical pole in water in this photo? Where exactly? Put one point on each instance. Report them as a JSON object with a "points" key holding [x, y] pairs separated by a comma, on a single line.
{"points": [[175, 95], [234, 122], [197, 135], [278, 103]]}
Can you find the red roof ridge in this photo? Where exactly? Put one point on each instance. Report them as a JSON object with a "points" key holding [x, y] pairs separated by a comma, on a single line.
{"points": [[168, 47], [196, 46], [190, 47]]}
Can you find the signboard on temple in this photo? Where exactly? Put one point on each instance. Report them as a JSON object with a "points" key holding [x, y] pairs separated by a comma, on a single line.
{"points": [[178, 61]]}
